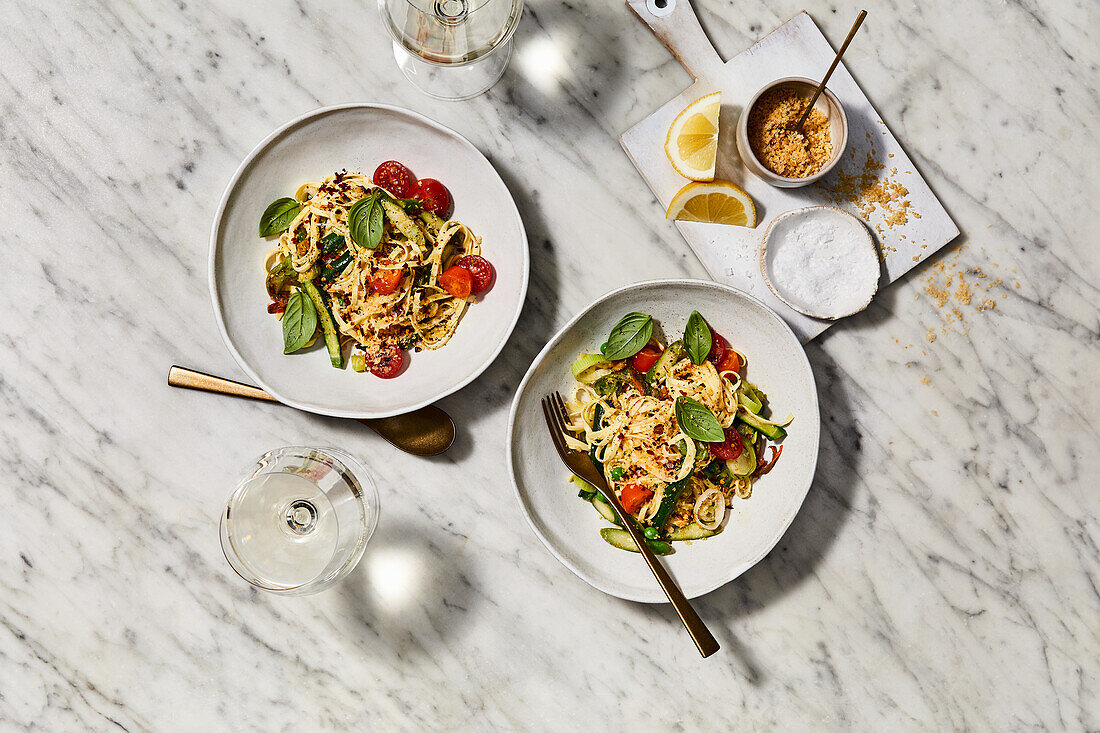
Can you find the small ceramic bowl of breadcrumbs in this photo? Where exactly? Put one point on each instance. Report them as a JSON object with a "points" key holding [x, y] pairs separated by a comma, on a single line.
{"points": [[773, 147], [821, 261]]}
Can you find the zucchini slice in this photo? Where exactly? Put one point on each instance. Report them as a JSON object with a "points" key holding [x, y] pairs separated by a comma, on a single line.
{"points": [[604, 509], [691, 532], [621, 539], [745, 463], [402, 222], [432, 221], [660, 370], [749, 403], [758, 424], [586, 363]]}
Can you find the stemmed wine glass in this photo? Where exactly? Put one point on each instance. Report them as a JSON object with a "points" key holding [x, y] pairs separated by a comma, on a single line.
{"points": [[451, 49], [299, 520]]}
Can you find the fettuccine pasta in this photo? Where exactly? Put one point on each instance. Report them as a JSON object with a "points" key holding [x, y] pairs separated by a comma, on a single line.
{"points": [[401, 280]]}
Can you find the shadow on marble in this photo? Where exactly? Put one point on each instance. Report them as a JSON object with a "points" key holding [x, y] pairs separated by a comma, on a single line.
{"points": [[565, 63], [806, 541], [728, 165], [884, 305], [496, 387], [411, 592]]}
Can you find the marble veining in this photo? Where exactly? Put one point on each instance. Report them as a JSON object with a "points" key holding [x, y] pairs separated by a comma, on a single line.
{"points": [[942, 574]]}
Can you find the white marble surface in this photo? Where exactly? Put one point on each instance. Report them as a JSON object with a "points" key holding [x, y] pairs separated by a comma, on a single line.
{"points": [[942, 574]]}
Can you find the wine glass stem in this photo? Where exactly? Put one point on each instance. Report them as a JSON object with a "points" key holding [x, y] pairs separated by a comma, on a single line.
{"points": [[301, 517], [450, 12]]}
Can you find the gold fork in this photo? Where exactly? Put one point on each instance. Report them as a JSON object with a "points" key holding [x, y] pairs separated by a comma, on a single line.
{"points": [[553, 409]]}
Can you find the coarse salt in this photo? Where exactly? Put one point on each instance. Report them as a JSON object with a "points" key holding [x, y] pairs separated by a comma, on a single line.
{"points": [[822, 262]]}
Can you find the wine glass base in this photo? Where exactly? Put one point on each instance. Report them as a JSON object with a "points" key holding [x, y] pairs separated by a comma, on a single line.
{"points": [[454, 83]]}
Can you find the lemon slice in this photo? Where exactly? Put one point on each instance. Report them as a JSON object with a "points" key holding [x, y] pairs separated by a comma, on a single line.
{"points": [[715, 202], [692, 141]]}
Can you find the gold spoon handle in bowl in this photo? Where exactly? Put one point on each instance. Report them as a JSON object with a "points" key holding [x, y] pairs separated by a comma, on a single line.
{"points": [[832, 68], [428, 431]]}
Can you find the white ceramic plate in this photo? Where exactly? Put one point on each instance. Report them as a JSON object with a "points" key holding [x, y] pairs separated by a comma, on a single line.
{"points": [[569, 527], [359, 137]]}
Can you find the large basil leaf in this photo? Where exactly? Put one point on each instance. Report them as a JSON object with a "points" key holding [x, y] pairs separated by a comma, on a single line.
{"points": [[697, 340], [630, 334], [278, 216], [365, 220], [697, 421], [299, 322]]}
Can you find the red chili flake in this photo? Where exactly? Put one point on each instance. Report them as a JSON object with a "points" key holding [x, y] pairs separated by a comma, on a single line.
{"points": [[770, 464]]}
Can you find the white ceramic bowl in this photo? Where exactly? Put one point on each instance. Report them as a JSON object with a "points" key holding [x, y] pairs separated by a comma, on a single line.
{"points": [[569, 527], [827, 103], [860, 273], [359, 137]]}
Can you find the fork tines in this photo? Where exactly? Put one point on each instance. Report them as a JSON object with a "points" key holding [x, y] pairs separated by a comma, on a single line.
{"points": [[553, 410]]}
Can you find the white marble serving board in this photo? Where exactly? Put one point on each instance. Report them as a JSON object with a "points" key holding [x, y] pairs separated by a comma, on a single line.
{"points": [[731, 254]]}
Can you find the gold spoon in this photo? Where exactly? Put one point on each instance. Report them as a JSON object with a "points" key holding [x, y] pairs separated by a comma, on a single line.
{"points": [[425, 432], [843, 48]]}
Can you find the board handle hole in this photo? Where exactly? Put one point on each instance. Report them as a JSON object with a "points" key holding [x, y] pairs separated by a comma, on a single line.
{"points": [[661, 8]]}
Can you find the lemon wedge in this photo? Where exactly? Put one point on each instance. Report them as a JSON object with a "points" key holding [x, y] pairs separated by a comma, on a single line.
{"points": [[715, 202], [692, 141]]}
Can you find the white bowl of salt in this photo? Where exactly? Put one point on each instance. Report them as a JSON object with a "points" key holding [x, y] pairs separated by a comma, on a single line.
{"points": [[821, 261]]}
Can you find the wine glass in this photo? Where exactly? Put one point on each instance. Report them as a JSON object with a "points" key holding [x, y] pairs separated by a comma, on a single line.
{"points": [[451, 49], [299, 520]]}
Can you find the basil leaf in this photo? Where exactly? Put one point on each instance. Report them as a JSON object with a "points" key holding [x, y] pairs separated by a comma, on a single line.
{"points": [[697, 421], [697, 340], [299, 322], [365, 220], [278, 216], [630, 334]]}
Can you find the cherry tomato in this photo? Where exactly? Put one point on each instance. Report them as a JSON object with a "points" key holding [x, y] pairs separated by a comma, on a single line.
{"points": [[731, 448], [634, 497], [385, 282], [480, 268], [718, 347], [434, 195], [457, 281], [644, 360], [731, 362], [388, 363], [395, 178]]}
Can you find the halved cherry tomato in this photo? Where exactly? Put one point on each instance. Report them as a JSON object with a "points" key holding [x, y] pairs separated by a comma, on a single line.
{"points": [[731, 363], [731, 448], [385, 282], [718, 346], [480, 268], [457, 280], [644, 360], [434, 195], [395, 178], [388, 363], [634, 497]]}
